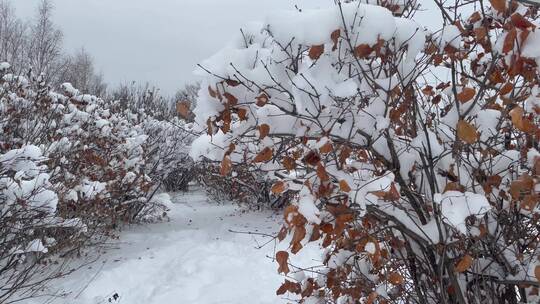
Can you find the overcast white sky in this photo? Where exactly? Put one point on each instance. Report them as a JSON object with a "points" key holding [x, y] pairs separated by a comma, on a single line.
{"points": [[159, 41]]}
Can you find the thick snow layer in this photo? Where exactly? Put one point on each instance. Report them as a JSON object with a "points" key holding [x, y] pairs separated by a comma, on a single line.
{"points": [[193, 259]]}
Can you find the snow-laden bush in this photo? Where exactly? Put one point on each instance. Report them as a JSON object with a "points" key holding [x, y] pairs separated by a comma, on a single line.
{"points": [[72, 168], [412, 156]]}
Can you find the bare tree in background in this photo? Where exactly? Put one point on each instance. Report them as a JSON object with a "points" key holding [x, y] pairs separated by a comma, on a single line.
{"points": [[12, 35], [80, 72], [45, 45]]}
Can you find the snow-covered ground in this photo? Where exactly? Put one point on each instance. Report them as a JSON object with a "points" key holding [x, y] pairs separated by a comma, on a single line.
{"points": [[193, 258]]}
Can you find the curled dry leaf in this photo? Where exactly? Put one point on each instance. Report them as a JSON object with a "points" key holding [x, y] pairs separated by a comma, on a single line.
{"points": [[466, 132], [264, 156], [264, 130], [362, 51], [231, 99], [464, 264], [282, 258], [279, 187], [289, 286], [316, 51], [226, 166]]}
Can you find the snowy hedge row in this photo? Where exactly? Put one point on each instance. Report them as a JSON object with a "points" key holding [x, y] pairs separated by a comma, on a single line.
{"points": [[72, 167]]}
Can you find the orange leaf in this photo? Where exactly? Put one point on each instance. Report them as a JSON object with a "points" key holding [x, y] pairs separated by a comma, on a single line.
{"points": [[362, 51], [537, 272], [506, 88], [226, 166], [242, 114], [316, 51], [326, 148], [183, 109], [344, 186], [499, 5], [282, 258], [231, 100], [290, 287], [466, 132], [509, 40], [475, 17], [298, 236], [517, 117], [264, 156], [264, 130], [279, 187], [464, 264], [395, 278], [321, 173], [466, 95]]}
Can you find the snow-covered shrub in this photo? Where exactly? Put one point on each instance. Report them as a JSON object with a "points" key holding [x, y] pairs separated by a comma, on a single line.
{"points": [[72, 168], [412, 155]]}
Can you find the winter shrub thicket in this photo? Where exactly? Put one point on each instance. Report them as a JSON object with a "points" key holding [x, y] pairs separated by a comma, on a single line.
{"points": [[72, 168], [410, 156]]}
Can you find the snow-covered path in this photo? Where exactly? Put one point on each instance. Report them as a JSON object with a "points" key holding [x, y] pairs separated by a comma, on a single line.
{"points": [[193, 259]]}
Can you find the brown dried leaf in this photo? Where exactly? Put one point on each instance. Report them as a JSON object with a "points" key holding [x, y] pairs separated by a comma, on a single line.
{"points": [[344, 186], [498, 5], [506, 88], [264, 130], [298, 236], [509, 40], [464, 264], [242, 114], [466, 94], [466, 132], [362, 51], [290, 287], [279, 187], [326, 148], [321, 173], [282, 258], [226, 166], [312, 158], [231, 99], [316, 51], [264, 156], [395, 278], [520, 22], [289, 163]]}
